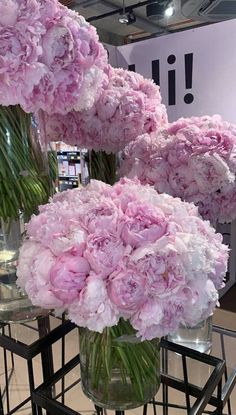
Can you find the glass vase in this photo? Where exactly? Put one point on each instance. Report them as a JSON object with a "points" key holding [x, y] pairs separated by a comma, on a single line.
{"points": [[24, 184], [198, 337], [118, 370], [103, 166]]}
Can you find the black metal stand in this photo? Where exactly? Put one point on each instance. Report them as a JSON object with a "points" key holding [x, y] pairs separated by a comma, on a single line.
{"points": [[5, 391], [41, 346], [204, 396], [44, 396], [229, 378], [1, 403]]}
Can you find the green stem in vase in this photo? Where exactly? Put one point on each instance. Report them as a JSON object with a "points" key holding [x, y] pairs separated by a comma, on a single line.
{"points": [[24, 181], [117, 360], [103, 166]]}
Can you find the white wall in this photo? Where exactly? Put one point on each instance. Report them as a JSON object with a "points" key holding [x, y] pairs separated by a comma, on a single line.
{"points": [[112, 54]]}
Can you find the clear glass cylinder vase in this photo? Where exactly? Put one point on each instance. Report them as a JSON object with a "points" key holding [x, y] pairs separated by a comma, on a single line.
{"points": [[24, 184], [198, 337], [118, 370]]}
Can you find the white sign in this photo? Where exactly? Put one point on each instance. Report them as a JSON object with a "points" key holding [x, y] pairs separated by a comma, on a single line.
{"points": [[196, 69], [111, 52]]}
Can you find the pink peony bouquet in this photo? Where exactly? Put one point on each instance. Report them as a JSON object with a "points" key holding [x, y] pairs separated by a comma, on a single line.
{"points": [[127, 107], [50, 57], [194, 159], [109, 252]]}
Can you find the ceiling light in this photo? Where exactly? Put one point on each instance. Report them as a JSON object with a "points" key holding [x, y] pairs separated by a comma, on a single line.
{"points": [[159, 10], [169, 11], [123, 19]]}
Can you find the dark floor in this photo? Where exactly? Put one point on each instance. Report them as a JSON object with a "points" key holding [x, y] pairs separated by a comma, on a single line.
{"points": [[228, 301]]}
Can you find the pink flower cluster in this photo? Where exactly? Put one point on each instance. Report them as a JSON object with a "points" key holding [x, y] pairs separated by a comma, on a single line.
{"points": [[194, 159], [50, 57], [106, 252], [127, 107]]}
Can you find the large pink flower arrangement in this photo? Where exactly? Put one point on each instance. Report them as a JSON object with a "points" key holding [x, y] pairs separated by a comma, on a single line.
{"points": [[50, 57], [108, 252], [194, 159], [127, 107]]}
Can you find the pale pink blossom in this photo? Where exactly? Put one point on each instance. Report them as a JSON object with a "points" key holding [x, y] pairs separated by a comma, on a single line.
{"points": [[104, 251], [142, 224], [68, 276], [94, 310], [127, 290], [50, 57], [8, 12], [194, 159], [35, 263], [147, 318], [162, 266], [128, 106], [105, 215], [108, 252]]}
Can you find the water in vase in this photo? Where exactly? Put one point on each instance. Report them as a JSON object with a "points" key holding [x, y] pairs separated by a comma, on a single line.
{"points": [[14, 305], [198, 337]]}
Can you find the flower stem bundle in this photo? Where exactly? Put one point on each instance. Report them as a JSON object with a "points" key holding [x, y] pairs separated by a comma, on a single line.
{"points": [[24, 180], [115, 363]]}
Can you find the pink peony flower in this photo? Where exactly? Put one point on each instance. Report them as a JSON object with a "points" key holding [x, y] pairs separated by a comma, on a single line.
{"points": [[8, 12], [14, 12], [104, 252], [142, 224], [94, 309], [147, 318], [210, 172], [56, 230], [68, 276], [173, 311], [27, 252], [105, 215], [58, 50], [50, 57], [194, 159], [35, 263], [127, 290], [97, 186], [19, 51], [128, 106], [108, 252], [163, 268], [204, 299]]}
